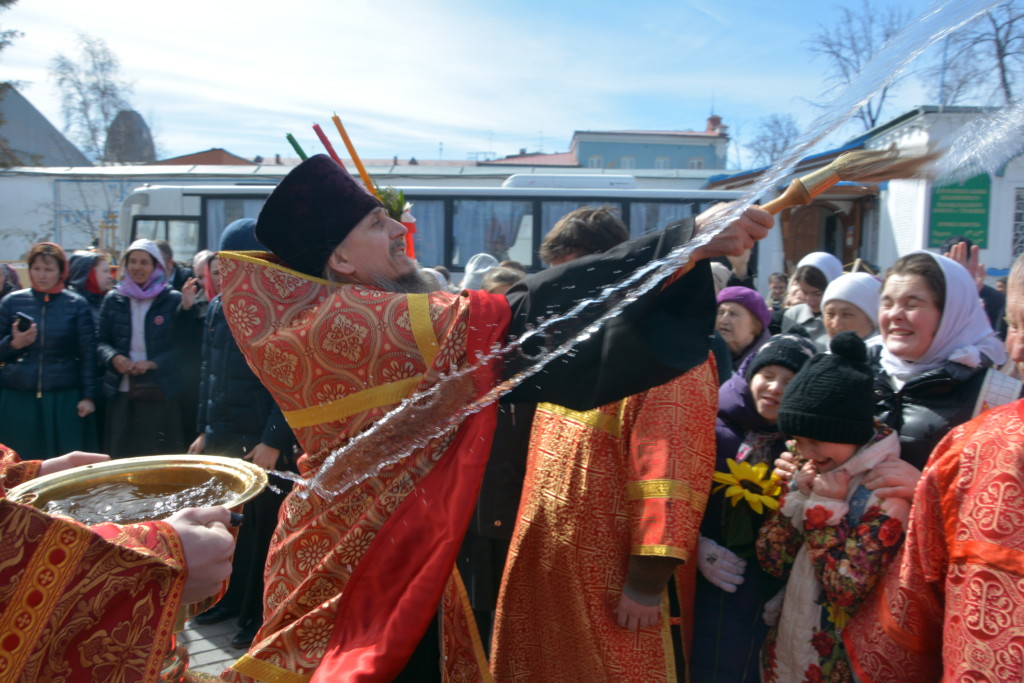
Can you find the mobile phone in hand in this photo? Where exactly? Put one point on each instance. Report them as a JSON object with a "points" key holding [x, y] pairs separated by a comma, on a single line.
{"points": [[24, 321]]}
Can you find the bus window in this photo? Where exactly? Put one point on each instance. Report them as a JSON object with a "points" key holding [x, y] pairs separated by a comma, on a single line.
{"points": [[219, 212], [647, 216], [552, 212], [503, 229], [182, 235], [429, 215]]}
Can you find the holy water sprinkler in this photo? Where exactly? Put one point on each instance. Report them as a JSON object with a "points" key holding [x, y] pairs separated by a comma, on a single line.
{"points": [[866, 166]]}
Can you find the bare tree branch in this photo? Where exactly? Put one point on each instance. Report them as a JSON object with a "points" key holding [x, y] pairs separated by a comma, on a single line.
{"points": [[848, 45], [775, 135], [92, 93], [982, 63]]}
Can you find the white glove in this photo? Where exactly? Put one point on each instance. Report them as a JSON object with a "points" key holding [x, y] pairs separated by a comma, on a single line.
{"points": [[720, 566], [773, 608]]}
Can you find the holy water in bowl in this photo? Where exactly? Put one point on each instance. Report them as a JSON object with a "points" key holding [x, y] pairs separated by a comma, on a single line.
{"points": [[141, 496]]}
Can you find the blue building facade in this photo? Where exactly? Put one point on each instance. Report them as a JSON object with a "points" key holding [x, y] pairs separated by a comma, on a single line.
{"points": [[693, 150]]}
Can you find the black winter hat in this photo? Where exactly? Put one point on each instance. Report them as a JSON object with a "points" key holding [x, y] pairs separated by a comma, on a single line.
{"points": [[311, 211], [832, 398], [788, 350]]}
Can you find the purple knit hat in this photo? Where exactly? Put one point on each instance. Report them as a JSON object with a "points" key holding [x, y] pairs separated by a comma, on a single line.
{"points": [[750, 300], [311, 211]]}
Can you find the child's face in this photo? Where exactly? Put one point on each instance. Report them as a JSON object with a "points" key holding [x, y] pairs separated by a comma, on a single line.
{"points": [[826, 455], [766, 387]]}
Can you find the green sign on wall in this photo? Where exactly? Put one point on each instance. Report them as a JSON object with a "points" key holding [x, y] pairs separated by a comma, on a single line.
{"points": [[961, 209]]}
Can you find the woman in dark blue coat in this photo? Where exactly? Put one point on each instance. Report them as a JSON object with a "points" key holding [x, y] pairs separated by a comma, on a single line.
{"points": [[732, 589], [49, 363], [138, 348]]}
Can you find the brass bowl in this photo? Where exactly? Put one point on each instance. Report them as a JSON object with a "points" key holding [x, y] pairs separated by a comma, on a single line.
{"points": [[145, 489]]}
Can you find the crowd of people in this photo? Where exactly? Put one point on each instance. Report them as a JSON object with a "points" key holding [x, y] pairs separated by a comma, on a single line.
{"points": [[717, 485], [144, 365]]}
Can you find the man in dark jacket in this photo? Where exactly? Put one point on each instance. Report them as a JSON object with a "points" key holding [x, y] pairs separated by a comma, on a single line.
{"points": [[237, 417]]}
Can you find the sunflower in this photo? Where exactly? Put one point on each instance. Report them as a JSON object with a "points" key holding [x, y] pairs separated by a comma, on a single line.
{"points": [[749, 482]]}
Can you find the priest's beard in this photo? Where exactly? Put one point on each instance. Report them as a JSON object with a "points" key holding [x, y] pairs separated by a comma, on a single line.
{"points": [[416, 282]]}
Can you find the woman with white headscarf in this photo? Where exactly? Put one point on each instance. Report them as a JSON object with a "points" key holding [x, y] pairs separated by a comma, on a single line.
{"points": [[851, 303], [142, 357], [813, 274], [934, 370]]}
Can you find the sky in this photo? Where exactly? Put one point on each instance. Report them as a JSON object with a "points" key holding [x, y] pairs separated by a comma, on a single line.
{"points": [[447, 79]]}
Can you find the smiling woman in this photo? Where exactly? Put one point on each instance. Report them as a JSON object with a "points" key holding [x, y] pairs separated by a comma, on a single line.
{"points": [[933, 371]]}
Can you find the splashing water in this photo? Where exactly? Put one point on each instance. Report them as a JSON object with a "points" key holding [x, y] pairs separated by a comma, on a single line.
{"points": [[984, 145], [942, 18]]}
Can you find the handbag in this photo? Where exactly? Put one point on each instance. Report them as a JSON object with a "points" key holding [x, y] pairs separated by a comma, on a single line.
{"points": [[145, 388]]}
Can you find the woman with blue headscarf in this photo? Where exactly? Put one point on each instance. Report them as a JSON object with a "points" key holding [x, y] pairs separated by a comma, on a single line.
{"points": [[138, 349]]}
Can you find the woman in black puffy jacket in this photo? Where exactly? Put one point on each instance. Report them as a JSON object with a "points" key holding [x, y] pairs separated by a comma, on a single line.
{"points": [[935, 369], [138, 348], [48, 378]]}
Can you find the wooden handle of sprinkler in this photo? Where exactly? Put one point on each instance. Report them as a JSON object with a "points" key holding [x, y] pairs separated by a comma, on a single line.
{"points": [[795, 195]]}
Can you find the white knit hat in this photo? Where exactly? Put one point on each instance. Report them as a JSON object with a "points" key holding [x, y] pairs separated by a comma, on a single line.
{"points": [[829, 265], [860, 289]]}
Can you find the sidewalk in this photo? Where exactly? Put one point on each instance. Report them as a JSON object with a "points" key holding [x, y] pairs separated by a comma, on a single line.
{"points": [[209, 647]]}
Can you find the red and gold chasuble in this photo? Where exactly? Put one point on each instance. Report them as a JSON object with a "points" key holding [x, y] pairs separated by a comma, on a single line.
{"points": [[628, 478], [83, 603], [353, 581], [951, 606]]}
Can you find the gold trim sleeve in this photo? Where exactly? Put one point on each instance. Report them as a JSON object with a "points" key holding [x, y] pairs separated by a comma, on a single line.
{"points": [[50, 568], [267, 672], [392, 393], [660, 488], [422, 328], [266, 258], [474, 632], [592, 418], [661, 551]]}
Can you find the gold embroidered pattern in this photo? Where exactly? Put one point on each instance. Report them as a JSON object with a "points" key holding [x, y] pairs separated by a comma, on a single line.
{"points": [[43, 584], [422, 327], [374, 397], [659, 488], [592, 418]]}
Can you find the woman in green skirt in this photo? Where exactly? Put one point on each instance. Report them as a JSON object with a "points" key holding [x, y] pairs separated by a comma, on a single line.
{"points": [[48, 351]]}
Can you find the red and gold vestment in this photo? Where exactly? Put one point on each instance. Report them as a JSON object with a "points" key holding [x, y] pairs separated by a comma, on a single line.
{"points": [[82, 603], [628, 478], [353, 581], [951, 607]]}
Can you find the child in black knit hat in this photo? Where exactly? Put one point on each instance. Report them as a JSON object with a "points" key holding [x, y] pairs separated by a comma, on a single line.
{"points": [[831, 538]]}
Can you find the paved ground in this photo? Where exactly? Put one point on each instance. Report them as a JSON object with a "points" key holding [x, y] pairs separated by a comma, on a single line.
{"points": [[209, 647]]}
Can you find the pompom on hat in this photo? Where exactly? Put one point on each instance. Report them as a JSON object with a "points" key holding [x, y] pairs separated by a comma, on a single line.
{"points": [[832, 398], [311, 211]]}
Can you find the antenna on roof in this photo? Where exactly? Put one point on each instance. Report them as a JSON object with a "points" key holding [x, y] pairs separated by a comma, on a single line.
{"points": [[712, 102]]}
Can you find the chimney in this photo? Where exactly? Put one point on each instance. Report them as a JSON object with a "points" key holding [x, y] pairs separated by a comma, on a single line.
{"points": [[277, 159], [715, 125], [522, 151]]}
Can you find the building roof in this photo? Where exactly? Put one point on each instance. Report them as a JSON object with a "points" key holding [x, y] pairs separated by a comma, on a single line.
{"points": [[535, 159], [211, 157], [680, 133], [27, 138]]}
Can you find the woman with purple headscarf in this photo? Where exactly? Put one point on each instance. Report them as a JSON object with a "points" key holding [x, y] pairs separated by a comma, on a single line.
{"points": [[742, 321], [138, 349]]}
